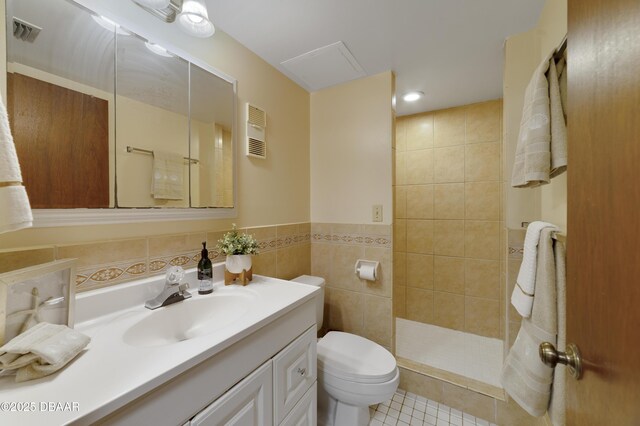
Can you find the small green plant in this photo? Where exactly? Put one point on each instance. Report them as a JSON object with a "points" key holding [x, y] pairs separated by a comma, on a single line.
{"points": [[235, 243]]}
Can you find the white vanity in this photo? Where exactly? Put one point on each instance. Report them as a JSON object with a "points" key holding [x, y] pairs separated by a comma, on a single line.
{"points": [[242, 355]]}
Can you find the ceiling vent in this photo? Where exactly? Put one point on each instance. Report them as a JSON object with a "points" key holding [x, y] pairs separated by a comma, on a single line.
{"points": [[24, 30], [256, 132]]}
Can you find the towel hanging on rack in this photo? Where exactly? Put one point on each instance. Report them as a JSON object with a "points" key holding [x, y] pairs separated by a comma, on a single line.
{"points": [[15, 210], [541, 152]]}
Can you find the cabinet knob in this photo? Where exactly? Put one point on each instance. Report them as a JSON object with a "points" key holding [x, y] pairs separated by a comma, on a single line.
{"points": [[302, 371], [571, 358]]}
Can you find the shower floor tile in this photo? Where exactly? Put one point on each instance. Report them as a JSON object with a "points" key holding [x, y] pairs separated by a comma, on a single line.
{"points": [[408, 414]]}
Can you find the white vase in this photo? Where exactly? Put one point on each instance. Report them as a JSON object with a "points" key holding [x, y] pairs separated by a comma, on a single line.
{"points": [[238, 262]]}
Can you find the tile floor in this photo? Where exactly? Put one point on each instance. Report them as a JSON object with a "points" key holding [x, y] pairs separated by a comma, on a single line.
{"points": [[408, 409]]}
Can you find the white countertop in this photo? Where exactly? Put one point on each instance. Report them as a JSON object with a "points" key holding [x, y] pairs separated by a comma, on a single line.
{"points": [[110, 373]]}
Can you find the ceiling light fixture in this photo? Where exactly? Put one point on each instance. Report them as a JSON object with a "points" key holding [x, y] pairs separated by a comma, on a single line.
{"points": [[109, 25], [158, 50], [154, 4], [194, 19], [412, 96]]}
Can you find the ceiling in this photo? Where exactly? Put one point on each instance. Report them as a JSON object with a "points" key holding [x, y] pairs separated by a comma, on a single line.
{"points": [[452, 50]]}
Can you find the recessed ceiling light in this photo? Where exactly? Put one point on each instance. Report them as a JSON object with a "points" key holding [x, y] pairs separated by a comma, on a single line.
{"points": [[412, 96], [109, 25], [158, 50]]}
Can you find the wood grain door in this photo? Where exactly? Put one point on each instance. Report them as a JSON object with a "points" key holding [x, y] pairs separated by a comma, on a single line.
{"points": [[62, 141], [603, 245]]}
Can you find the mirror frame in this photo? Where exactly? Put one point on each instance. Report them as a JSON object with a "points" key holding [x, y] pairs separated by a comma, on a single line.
{"points": [[43, 218]]}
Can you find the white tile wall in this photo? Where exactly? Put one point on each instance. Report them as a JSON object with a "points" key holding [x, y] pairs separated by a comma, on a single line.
{"points": [[470, 355]]}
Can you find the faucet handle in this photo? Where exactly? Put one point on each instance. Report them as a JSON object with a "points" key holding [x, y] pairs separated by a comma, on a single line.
{"points": [[175, 274], [183, 287]]}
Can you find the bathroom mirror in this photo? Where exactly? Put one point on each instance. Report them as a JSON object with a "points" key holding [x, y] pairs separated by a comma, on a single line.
{"points": [[99, 115]]}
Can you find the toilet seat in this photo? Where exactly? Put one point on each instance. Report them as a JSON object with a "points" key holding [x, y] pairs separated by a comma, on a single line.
{"points": [[352, 358]]}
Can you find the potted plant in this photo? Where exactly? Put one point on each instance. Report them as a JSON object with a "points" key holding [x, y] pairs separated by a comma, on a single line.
{"points": [[238, 248]]}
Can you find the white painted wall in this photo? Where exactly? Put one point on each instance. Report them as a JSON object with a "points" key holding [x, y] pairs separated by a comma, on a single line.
{"points": [[351, 153]]}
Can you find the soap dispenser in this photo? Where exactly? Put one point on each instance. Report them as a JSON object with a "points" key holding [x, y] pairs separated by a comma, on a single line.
{"points": [[205, 272]]}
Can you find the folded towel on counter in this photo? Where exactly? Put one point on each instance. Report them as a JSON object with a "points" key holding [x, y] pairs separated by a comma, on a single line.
{"points": [[541, 152], [524, 376], [525, 288], [167, 176], [15, 210], [41, 350]]}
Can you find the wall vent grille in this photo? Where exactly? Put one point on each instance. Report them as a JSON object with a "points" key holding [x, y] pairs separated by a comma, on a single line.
{"points": [[24, 30], [256, 132]]}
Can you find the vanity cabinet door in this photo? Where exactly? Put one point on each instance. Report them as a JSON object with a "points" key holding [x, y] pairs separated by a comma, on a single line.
{"points": [[249, 403], [294, 371], [305, 413]]}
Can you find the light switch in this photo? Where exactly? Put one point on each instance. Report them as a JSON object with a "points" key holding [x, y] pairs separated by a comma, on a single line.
{"points": [[377, 213]]}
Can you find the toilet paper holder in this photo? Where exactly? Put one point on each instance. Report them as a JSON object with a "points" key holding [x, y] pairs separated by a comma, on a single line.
{"points": [[367, 269]]}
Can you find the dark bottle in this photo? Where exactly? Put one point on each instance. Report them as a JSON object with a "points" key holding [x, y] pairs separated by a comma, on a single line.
{"points": [[205, 272]]}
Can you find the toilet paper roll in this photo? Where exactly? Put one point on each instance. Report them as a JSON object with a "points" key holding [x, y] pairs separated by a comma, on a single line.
{"points": [[367, 272]]}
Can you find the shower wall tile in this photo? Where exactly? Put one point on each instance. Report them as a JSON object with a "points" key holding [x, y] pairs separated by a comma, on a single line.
{"points": [[419, 199], [419, 167], [449, 310], [419, 271], [400, 202], [449, 127], [482, 162], [483, 122], [449, 274], [482, 200], [448, 220], [482, 316], [449, 164], [449, 201], [419, 132], [449, 237]]}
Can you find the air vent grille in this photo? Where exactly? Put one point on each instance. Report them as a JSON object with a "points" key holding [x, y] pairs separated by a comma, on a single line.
{"points": [[256, 116], [24, 30], [257, 148]]}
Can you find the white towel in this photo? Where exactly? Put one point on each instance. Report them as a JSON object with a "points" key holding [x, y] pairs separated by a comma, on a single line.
{"points": [[167, 176], [41, 350], [525, 288], [541, 152], [524, 376], [15, 211]]}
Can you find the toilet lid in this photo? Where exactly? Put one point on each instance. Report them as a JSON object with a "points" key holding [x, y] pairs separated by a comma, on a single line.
{"points": [[355, 358]]}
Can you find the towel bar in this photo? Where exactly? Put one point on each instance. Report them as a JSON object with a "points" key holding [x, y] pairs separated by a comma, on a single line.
{"points": [[148, 151]]}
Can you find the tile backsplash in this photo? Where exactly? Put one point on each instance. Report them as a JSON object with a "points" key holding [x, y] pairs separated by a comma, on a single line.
{"points": [[351, 304], [284, 253]]}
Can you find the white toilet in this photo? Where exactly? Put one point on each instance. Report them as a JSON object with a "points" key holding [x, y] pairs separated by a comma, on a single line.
{"points": [[353, 372]]}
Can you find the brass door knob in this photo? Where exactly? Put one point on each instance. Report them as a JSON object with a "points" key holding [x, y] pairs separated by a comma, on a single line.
{"points": [[571, 358]]}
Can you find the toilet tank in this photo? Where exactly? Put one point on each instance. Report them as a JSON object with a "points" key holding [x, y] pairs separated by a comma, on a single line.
{"points": [[318, 282]]}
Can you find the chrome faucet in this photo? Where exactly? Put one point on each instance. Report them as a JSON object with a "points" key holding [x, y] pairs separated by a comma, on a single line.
{"points": [[173, 291]]}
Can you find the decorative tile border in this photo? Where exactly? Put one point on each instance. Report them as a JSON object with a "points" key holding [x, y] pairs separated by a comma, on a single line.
{"points": [[516, 252], [353, 239], [103, 275], [270, 244]]}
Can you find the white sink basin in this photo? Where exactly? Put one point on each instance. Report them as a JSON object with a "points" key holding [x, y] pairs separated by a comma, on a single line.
{"points": [[189, 319]]}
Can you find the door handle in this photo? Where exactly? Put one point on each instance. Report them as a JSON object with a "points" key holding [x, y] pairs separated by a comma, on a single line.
{"points": [[571, 358]]}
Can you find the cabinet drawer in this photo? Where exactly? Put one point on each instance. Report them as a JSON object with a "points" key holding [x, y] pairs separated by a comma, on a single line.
{"points": [[250, 402], [305, 413], [294, 371]]}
